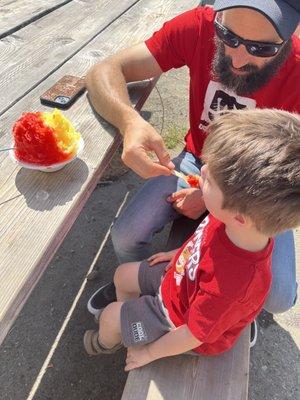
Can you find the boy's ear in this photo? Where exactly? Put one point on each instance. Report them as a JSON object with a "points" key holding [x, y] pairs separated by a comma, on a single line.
{"points": [[240, 219]]}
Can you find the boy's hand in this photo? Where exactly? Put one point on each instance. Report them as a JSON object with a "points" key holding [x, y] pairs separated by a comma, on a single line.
{"points": [[137, 357], [177, 341], [161, 257], [188, 202]]}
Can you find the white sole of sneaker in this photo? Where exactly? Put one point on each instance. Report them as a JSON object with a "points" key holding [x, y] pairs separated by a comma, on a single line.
{"points": [[91, 309], [254, 339]]}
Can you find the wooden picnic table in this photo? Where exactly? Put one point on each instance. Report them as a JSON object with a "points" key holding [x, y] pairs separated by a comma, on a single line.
{"points": [[39, 43]]}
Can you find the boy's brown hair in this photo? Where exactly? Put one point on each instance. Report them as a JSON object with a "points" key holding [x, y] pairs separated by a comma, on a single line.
{"points": [[254, 157]]}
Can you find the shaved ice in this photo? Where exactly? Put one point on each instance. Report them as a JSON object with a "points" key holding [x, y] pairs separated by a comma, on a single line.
{"points": [[44, 138]]}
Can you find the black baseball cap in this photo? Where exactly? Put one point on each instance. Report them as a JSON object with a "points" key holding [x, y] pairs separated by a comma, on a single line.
{"points": [[283, 14]]}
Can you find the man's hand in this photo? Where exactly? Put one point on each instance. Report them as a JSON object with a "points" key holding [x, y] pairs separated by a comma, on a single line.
{"points": [[188, 202], [137, 357], [139, 138]]}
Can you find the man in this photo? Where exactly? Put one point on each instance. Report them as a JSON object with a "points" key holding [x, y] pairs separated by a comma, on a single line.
{"points": [[242, 54]]}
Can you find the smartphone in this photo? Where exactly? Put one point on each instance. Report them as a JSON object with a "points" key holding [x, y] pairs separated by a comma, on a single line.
{"points": [[64, 92]]}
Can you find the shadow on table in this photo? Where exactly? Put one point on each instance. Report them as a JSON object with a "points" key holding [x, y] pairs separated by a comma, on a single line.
{"points": [[45, 190]]}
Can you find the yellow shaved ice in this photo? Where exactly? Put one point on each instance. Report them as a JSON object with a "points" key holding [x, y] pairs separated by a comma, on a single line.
{"points": [[66, 135]]}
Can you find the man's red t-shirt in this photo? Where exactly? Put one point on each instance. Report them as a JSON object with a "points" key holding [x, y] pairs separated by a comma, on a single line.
{"points": [[215, 287], [188, 39]]}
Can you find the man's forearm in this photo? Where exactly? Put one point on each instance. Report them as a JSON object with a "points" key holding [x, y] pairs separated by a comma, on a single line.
{"points": [[175, 342], [106, 84], [107, 89]]}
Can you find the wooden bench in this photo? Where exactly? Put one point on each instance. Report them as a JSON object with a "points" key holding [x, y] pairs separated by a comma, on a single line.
{"points": [[187, 377]]}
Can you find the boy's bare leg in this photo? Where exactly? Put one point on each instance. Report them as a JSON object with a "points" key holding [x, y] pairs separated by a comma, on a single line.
{"points": [[127, 287], [126, 281], [110, 325]]}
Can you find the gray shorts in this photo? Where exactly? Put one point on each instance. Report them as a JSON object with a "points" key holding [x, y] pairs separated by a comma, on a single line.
{"points": [[144, 320]]}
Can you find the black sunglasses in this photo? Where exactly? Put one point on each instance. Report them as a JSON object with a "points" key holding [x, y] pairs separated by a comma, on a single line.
{"points": [[257, 49]]}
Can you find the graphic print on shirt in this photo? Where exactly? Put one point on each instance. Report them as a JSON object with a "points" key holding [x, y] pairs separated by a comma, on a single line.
{"points": [[218, 98], [189, 259]]}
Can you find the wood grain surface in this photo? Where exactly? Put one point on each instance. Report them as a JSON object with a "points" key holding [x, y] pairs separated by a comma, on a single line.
{"points": [[186, 377], [34, 52], [15, 14]]}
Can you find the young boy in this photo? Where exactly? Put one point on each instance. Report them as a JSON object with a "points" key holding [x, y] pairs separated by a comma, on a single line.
{"points": [[201, 296]]}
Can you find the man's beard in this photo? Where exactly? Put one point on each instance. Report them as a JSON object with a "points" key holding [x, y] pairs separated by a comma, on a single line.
{"points": [[255, 78]]}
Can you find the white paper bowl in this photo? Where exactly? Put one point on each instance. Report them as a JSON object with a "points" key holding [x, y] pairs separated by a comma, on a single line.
{"points": [[47, 168]]}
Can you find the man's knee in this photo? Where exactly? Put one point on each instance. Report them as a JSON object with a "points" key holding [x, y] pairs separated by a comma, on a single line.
{"points": [[131, 245], [280, 304], [115, 233], [122, 241]]}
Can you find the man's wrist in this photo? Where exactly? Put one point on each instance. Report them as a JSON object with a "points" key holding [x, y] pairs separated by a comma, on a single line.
{"points": [[128, 121]]}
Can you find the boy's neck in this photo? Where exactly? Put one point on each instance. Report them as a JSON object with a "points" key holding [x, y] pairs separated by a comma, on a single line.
{"points": [[247, 238]]}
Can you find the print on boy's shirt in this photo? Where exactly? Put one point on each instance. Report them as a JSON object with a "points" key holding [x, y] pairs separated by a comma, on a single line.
{"points": [[218, 98], [189, 258]]}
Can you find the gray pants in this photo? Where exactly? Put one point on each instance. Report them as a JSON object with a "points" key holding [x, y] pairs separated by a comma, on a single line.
{"points": [[144, 320]]}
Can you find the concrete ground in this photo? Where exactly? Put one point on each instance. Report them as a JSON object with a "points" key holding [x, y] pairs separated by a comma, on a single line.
{"points": [[42, 358]]}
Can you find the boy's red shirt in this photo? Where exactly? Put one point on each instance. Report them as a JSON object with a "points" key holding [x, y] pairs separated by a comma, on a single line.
{"points": [[215, 287], [188, 39]]}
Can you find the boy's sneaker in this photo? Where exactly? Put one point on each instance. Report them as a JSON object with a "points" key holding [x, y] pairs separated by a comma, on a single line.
{"points": [[253, 333], [101, 298]]}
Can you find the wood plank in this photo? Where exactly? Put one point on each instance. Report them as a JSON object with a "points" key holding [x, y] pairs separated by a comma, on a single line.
{"points": [[38, 209], [183, 377], [15, 14], [28, 57]]}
